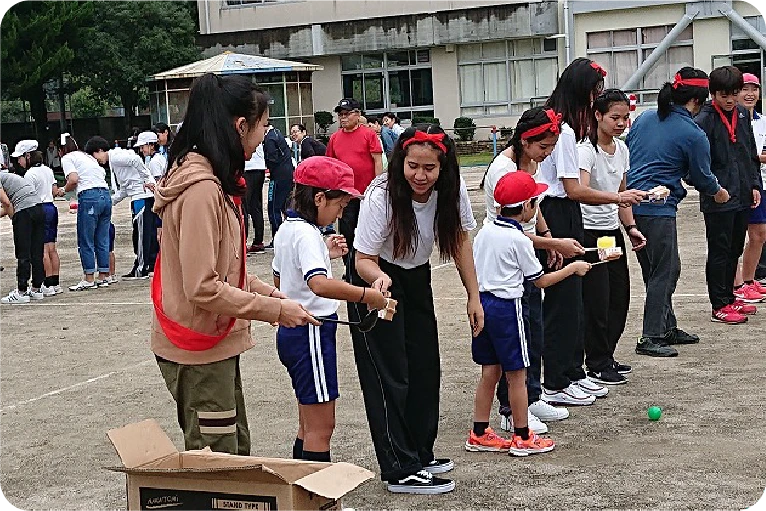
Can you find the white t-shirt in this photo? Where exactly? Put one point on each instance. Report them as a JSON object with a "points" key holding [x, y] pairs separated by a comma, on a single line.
{"points": [[373, 232], [759, 131], [299, 254], [504, 259], [561, 164], [606, 174], [157, 165], [257, 161], [90, 174], [42, 179], [130, 173], [501, 166]]}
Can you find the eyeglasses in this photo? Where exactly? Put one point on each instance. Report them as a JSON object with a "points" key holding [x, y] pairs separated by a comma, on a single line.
{"points": [[346, 113]]}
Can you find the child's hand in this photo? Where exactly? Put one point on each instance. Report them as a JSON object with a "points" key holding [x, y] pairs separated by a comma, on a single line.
{"points": [[336, 244], [580, 267]]}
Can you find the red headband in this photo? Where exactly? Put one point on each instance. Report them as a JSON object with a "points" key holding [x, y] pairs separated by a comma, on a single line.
{"points": [[421, 136], [691, 82], [554, 126], [598, 68]]}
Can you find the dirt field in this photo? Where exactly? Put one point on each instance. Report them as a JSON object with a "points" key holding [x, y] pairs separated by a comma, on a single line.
{"points": [[74, 366]]}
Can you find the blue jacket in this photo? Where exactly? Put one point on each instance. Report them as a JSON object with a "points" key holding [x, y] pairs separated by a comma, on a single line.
{"points": [[665, 153], [388, 138]]}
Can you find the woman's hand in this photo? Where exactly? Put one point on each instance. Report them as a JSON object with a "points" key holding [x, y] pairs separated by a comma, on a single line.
{"points": [[475, 315], [337, 245], [555, 259], [382, 283], [637, 239], [293, 314], [569, 247], [630, 197]]}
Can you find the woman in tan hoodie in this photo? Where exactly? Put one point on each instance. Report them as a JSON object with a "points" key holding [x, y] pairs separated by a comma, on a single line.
{"points": [[203, 297]]}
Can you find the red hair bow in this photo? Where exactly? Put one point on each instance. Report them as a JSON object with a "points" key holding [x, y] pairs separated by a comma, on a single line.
{"points": [[554, 126], [436, 139], [691, 82], [598, 68]]}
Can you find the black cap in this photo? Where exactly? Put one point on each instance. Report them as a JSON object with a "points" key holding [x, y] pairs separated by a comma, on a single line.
{"points": [[347, 104]]}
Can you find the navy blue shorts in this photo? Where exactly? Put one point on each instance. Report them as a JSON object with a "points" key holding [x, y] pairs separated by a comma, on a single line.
{"points": [[51, 222], [758, 215], [111, 237], [308, 353], [503, 341]]}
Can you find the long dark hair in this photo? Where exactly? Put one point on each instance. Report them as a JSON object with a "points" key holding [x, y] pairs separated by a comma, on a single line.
{"points": [[214, 101], [602, 104], [681, 94], [404, 226], [530, 119], [303, 204], [69, 146], [572, 95]]}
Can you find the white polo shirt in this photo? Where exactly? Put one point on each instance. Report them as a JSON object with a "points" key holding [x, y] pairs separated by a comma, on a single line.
{"points": [[130, 173], [759, 131], [561, 164], [89, 173], [157, 164], [499, 167], [504, 259], [299, 254], [373, 232], [606, 174]]}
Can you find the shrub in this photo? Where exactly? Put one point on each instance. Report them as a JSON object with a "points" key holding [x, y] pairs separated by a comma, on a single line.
{"points": [[464, 128], [323, 119], [425, 120]]}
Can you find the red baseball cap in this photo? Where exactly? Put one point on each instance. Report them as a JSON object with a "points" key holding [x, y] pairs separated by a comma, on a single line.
{"points": [[326, 173], [515, 188], [751, 78]]}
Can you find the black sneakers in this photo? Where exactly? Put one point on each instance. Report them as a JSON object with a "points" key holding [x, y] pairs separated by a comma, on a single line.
{"points": [[654, 347], [678, 336], [439, 466], [421, 483], [622, 368], [607, 377]]}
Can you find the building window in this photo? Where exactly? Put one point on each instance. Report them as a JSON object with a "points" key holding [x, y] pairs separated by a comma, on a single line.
{"points": [[746, 55], [398, 81], [505, 77], [621, 52], [248, 2]]}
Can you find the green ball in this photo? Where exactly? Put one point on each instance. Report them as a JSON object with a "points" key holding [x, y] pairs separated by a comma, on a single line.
{"points": [[654, 413]]}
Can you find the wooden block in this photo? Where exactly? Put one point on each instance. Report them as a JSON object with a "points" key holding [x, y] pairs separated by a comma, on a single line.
{"points": [[609, 254], [388, 313]]}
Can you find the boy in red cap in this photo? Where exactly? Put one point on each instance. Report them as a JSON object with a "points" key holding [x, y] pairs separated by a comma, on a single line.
{"points": [[505, 258], [302, 271]]}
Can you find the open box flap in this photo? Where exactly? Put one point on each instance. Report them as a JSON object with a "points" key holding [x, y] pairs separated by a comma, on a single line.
{"points": [[141, 443], [336, 480]]}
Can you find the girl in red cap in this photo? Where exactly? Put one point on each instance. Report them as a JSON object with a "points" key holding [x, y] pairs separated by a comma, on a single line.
{"points": [[302, 271], [421, 200]]}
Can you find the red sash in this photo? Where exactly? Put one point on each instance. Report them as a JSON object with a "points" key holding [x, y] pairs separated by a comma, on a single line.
{"points": [[179, 335]]}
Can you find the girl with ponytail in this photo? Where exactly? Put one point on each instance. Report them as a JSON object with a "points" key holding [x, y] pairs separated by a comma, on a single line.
{"points": [[533, 140], [666, 147]]}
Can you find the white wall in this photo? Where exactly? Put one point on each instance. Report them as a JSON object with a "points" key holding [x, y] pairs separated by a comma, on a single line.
{"points": [[327, 86]]}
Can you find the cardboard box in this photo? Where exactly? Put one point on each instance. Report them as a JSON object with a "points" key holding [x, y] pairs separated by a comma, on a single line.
{"points": [[160, 477]]}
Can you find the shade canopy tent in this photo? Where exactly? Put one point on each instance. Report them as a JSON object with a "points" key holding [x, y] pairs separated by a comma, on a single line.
{"points": [[288, 84]]}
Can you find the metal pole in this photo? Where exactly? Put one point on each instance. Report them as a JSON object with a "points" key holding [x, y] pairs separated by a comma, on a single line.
{"points": [[658, 52], [567, 33], [494, 141], [62, 105], [746, 27]]}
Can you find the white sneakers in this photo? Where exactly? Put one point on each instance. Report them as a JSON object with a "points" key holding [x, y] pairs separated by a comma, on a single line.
{"points": [[48, 291], [83, 285], [15, 297], [592, 388], [572, 395], [534, 423], [546, 412]]}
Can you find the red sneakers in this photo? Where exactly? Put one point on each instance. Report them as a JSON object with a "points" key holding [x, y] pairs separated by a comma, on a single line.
{"points": [[743, 308], [728, 315], [748, 294], [533, 445], [760, 288], [488, 442]]}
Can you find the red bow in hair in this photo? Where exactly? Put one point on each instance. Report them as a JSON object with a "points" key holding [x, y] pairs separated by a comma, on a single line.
{"points": [[598, 68], [554, 126], [691, 82], [421, 136]]}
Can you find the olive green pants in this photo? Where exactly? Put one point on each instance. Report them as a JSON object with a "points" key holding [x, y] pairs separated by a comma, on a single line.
{"points": [[210, 404]]}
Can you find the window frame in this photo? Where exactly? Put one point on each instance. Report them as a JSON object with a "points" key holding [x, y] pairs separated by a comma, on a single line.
{"points": [[508, 60], [639, 48]]}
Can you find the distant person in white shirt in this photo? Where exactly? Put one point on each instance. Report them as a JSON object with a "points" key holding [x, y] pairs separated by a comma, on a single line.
{"points": [[94, 212], [255, 176], [41, 177], [148, 145], [134, 180]]}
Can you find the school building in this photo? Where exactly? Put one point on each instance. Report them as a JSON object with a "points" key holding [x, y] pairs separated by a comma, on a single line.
{"points": [[488, 60]]}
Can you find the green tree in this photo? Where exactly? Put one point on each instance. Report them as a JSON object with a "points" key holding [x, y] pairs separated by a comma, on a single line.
{"points": [[130, 41], [85, 102], [39, 41]]}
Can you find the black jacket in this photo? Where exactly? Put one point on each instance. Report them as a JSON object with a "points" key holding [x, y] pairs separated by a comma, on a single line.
{"points": [[278, 156], [311, 147], [735, 164]]}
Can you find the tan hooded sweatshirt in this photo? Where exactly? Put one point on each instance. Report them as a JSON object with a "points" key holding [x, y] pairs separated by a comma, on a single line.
{"points": [[200, 257]]}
